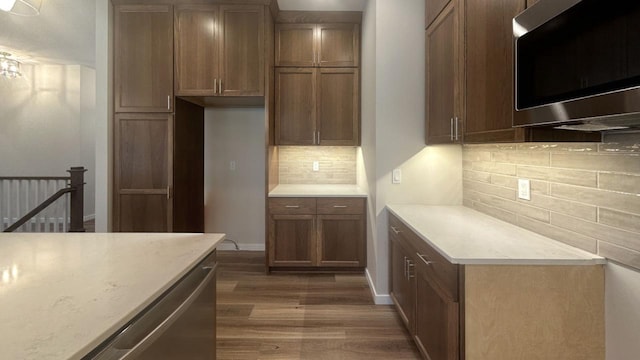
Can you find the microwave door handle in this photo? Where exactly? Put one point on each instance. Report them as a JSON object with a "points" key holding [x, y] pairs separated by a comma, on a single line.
{"points": [[153, 335]]}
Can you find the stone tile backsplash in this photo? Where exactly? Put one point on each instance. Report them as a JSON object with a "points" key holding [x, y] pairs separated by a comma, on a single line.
{"points": [[584, 194], [337, 164]]}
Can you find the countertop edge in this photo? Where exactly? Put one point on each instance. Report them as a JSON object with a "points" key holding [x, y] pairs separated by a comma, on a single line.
{"points": [[595, 260]]}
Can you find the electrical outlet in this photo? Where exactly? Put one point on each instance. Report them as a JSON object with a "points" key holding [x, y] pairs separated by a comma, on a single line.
{"points": [[316, 166], [232, 165], [524, 189], [396, 177]]}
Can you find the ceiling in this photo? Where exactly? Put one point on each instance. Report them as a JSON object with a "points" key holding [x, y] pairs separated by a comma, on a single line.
{"points": [[64, 32]]}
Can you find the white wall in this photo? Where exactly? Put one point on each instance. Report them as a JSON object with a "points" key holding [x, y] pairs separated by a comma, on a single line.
{"points": [[622, 312], [393, 127], [104, 114], [47, 123], [235, 199]]}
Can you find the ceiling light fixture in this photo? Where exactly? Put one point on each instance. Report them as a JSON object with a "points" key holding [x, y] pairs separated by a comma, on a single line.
{"points": [[9, 67], [21, 7]]}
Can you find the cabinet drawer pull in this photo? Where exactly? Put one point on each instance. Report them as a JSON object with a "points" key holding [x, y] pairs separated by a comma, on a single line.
{"points": [[405, 267], [451, 130], [220, 87], [340, 206], [396, 231], [425, 259], [168, 102], [292, 206], [215, 86]]}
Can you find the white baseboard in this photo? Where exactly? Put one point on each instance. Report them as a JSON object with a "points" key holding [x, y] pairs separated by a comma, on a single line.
{"points": [[227, 245], [89, 217], [377, 298]]}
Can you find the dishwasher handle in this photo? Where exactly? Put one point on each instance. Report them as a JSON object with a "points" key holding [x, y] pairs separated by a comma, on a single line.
{"points": [[128, 336]]}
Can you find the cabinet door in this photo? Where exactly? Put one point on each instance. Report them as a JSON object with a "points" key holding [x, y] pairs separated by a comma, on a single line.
{"points": [[437, 320], [338, 107], [489, 70], [197, 50], [143, 53], [442, 70], [341, 240], [295, 45], [292, 240], [402, 281], [242, 50], [143, 172], [433, 9], [295, 106], [338, 45]]}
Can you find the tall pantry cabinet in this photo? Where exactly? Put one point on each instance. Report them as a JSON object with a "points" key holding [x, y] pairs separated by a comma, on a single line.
{"points": [[154, 133]]}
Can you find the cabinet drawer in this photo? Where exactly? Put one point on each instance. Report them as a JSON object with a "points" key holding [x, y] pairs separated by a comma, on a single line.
{"points": [[351, 206], [292, 206], [443, 274]]}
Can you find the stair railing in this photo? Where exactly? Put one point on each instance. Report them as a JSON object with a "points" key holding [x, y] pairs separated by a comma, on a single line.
{"points": [[19, 193]]}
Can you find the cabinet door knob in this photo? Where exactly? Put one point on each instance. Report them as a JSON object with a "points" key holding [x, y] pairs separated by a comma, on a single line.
{"points": [[168, 102], [424, 259], [215, 86], [455, 121], [220, 87]]}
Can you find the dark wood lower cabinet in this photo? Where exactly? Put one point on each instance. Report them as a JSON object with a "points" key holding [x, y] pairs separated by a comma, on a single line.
{"points": [[494, 311], [437, 320], [292, 240], [316, 234]]}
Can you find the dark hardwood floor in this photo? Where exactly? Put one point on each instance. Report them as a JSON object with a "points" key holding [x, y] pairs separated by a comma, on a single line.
{"points": [[302, 316]]}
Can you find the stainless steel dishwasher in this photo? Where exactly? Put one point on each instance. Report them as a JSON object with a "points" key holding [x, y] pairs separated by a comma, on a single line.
{"points": [[179, 325]]}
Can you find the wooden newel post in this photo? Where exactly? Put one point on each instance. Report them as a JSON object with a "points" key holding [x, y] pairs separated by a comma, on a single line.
{"points": [[77, 199]]}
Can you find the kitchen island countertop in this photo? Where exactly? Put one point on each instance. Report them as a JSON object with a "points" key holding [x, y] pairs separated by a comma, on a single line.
{"points": [[466, 236], [61, 295]]}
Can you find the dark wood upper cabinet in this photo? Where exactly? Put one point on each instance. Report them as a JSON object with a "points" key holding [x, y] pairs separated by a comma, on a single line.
{"points": [[317, 45], [143, 54], [338, 107], [317, 106], [242, 50], [197, 50], [220, 50], [433, 9], [443, 78], [295, 45], [295, 115], [489, 70]]}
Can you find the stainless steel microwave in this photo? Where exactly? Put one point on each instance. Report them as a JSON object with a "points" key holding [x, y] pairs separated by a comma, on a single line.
{"points": [[577, 64]]}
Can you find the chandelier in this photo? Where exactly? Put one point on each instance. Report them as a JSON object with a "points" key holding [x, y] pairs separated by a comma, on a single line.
{"points": [[9, 67], [21, 7]]}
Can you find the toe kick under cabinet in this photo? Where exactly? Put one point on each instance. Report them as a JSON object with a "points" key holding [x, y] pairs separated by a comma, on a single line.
{"points": [[311, 234], [494, 312]]}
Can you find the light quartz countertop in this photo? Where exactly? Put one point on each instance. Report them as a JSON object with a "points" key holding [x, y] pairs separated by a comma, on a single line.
{"points": [[466, 236], [62, 295], [312, 190]]}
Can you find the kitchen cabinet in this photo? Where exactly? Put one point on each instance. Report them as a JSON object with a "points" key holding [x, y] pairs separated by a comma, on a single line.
{"points": [[488, 309], [317, 45], [317, 106], [219, 50], [143, 58], [316, 233], [469, 75], [444, 85], [403, 278], [159, 171]]}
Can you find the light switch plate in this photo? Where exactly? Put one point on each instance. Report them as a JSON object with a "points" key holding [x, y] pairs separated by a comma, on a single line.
{"points": [[316, 166], [396, 178], [524, 189]]}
